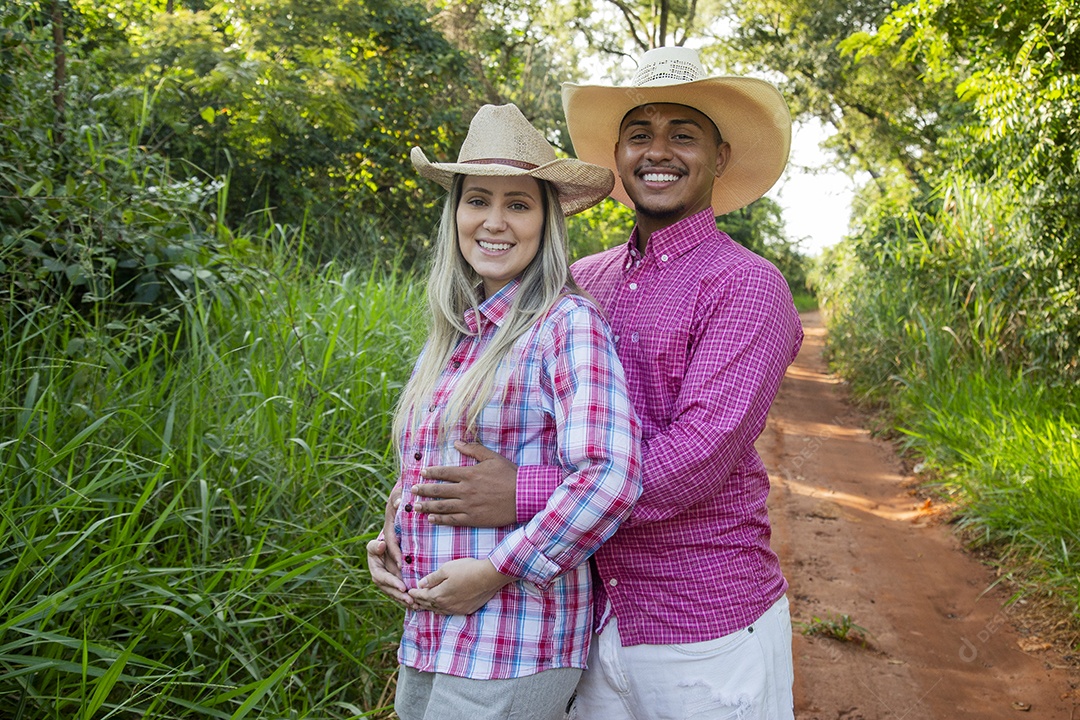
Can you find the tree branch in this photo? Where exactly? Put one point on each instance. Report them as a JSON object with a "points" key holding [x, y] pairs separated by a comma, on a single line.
{"points": [[635, 22]]}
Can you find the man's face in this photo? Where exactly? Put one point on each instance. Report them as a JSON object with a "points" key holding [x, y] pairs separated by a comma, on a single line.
{"points": [[668, 157]]}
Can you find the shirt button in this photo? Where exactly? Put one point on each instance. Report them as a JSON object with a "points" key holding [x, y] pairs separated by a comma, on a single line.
{"points": [[616, 338], [409, 559], [612, 582], [633, 337], [408, 507], [633, 286], [663, 258], [417, 456], [456, 364], [431, 407]]}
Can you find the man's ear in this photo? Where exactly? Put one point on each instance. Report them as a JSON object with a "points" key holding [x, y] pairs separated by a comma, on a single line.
{"points": [[723, 155]]}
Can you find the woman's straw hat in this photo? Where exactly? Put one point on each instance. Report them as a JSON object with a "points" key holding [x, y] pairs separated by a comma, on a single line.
{"points": [[750, 114], [501, 142]]}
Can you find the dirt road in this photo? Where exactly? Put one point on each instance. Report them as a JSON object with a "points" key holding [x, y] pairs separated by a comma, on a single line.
{"points": [[854, 540]]}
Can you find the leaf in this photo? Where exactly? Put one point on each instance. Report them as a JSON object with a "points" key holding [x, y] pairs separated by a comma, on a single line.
{"points": [[207, 114], [106, 682], [75, 274]]}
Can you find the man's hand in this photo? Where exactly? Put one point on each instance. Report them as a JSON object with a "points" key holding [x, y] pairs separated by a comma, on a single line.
{"points": [[481, 495], [384, 557], [459, 587]]}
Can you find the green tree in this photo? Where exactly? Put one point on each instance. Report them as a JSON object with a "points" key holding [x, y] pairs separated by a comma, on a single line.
{"points": [[310, 110], [887, 113], [88, 218], [1017, 69]]}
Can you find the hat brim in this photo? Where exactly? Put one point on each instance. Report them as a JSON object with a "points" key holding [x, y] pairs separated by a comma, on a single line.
{"points": [[580, 185], [751, 115]]}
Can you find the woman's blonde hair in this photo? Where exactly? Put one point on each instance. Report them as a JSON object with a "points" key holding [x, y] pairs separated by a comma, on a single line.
{"points": [[454, 289]]}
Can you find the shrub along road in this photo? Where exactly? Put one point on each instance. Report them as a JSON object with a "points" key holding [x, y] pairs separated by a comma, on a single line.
{"points": [[929, 633]]}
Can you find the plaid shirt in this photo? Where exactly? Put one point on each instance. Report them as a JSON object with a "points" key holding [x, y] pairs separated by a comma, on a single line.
{"points": [[705, 330], [559, 399]]}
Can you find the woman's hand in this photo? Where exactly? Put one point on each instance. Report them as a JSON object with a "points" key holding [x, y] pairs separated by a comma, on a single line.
{"points": [[384, 557], [460, 587]]}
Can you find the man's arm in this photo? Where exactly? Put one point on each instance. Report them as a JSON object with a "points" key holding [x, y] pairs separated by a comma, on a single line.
{"points": [[742, 347]]}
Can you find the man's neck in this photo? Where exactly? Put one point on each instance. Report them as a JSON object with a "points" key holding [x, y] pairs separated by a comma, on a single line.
{"points": [[646, 226]]}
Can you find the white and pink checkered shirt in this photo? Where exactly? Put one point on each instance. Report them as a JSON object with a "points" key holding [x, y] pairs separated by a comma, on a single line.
{"points": [[559, 400], [705, 330]]}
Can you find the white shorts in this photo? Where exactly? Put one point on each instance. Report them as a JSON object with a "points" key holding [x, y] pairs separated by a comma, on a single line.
{"points": [[747, 675]]}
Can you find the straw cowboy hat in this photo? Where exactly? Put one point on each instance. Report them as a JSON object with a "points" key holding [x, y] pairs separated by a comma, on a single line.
{"points": [[501, 142], [750, 114]]}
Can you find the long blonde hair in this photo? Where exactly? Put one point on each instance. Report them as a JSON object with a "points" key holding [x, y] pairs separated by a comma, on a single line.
{"points": [[454, 289]]}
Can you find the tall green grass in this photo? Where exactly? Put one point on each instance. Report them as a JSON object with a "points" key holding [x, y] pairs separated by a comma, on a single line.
{"points": [[183, 512], [940, 325], [1009, 450]]}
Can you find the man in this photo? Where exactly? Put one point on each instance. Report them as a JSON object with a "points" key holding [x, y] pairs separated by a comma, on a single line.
{"points": [[692, 620]]}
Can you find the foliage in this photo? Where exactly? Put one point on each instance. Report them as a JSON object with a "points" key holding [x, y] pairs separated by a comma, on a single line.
{"points": [[1009, 450], [183, 530], [600, 227], [87, 216], [1001, 222], [1022, 77], [759, 227], [887, 113], [943, 323], [950, 268], [620, 27], [841, 628], [517, 51], [310, 110]]}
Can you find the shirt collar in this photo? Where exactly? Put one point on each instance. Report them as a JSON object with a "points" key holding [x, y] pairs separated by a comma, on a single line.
{"points": [[679, 238], [493, 309]]}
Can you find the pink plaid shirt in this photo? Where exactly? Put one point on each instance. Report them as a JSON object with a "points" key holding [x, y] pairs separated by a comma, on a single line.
{"points": [[560, 400], [705, 330]]}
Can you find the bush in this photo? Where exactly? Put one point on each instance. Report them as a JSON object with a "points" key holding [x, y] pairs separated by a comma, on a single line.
{"points": [[88, 218]]}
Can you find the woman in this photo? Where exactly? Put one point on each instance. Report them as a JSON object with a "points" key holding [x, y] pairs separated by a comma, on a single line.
{"points": [[498, 620]]}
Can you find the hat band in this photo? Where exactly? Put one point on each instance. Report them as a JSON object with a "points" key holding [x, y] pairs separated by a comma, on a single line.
{"points": [[502, 161]]}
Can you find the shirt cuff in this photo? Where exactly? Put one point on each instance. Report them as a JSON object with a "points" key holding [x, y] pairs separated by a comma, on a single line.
{"points": [[517, 557], [535, 483]]}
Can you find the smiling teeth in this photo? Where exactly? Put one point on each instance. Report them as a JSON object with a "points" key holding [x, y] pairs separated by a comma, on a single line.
{"points": [[659, 177], [494, 246]]}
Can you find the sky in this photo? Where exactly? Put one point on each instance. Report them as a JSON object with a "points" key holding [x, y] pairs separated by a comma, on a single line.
{"points": [[816, 207]]}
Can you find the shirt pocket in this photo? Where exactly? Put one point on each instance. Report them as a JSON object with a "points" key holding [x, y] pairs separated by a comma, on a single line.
{"points": [[659, 357]]}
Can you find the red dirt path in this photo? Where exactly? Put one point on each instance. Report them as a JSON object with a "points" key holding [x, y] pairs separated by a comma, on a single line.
{"points": [[854, 539]]}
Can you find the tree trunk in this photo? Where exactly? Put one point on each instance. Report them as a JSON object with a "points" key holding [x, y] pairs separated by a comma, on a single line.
{"points": [[59, 71], [661, 41]]}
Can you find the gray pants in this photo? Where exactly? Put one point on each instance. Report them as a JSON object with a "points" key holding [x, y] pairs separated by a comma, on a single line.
{"points": [[435, 696]]}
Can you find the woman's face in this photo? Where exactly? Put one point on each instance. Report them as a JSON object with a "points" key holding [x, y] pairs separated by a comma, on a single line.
{"points": [[500, 221]]}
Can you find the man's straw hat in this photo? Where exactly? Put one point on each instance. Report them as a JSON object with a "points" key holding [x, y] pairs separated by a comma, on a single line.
{"points": [[750, 114], [501, 142]]}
